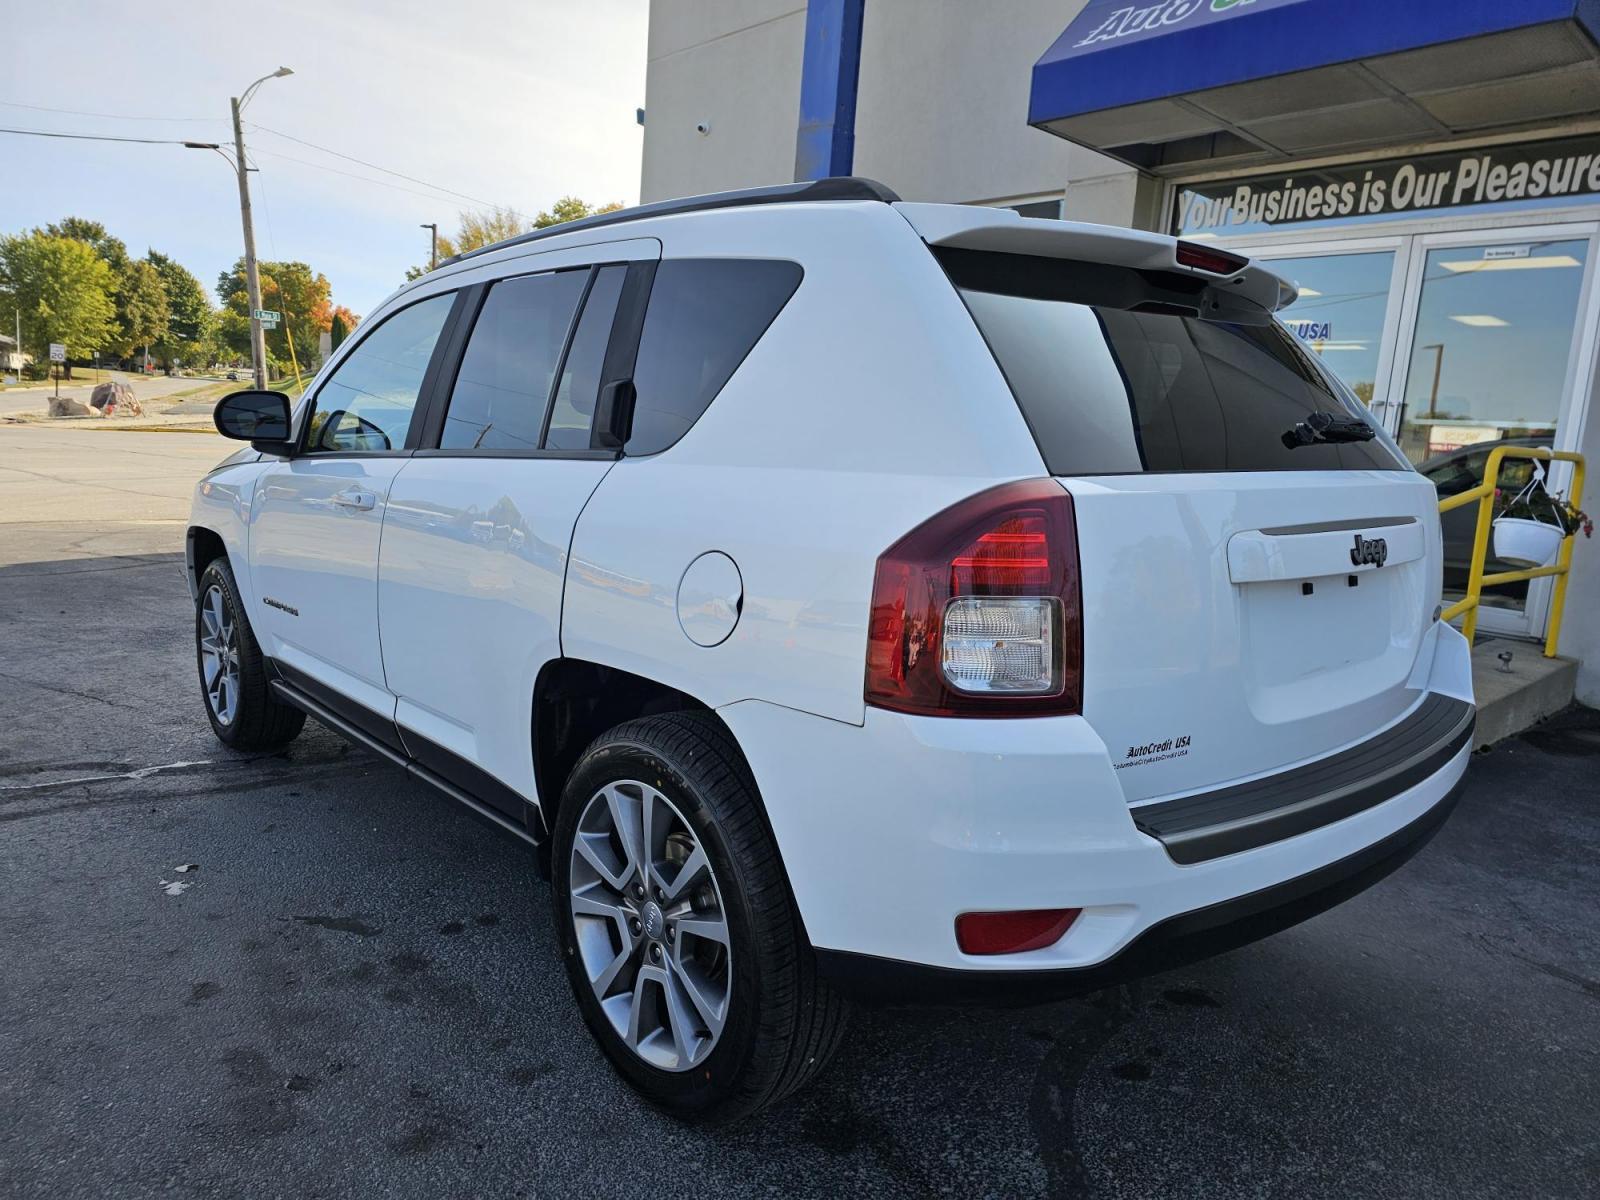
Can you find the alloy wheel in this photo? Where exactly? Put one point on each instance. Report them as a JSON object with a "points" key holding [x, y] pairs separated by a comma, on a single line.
{"points": [[651, 928], [219, 655]]}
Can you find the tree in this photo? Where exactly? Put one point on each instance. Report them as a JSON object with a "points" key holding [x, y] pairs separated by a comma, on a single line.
{"points": [[190, 319], [487, 226], [114, 254], [143, 303], [62, 289], [570, 208], [111, 250], [293, 289], [340, 324], [484, 228]]}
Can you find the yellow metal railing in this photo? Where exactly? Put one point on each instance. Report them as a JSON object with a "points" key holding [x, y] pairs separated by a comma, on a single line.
{"points": [[1476, 579]]}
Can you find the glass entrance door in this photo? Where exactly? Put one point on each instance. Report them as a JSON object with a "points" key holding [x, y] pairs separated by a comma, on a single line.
{"points": [[1492, 342]]}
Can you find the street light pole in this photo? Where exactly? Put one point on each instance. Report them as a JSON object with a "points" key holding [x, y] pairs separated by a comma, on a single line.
{"points": [[252, 273], [433, 253]]}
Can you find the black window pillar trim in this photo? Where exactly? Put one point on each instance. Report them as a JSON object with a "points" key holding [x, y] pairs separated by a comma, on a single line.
{"points": [[442, 371], [622, 350]]}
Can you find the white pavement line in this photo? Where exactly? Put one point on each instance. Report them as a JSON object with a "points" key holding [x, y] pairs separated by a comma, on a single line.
{"points": [[141, 773]]}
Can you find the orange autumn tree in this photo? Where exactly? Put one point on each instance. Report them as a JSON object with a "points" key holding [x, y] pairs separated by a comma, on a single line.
{"points": [[303, 296]]}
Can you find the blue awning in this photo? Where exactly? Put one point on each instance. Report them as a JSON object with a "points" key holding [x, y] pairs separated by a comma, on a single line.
{"points": [[1169, 84]]}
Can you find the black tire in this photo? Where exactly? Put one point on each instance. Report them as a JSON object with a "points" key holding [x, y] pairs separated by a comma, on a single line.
{"points": [[260, 721], [783, 1023]]}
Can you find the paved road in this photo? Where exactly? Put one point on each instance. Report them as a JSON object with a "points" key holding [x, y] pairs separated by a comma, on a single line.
{"points": [[358, 996], [37, 400]]}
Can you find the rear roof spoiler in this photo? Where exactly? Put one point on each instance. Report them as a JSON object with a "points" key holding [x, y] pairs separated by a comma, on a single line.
{"points": [[1001, 230]]}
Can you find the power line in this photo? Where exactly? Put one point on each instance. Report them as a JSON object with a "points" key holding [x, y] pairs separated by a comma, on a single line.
{"points": [[73, 112], [316, 166], [435, 193], [96, 137], [385, 170]]}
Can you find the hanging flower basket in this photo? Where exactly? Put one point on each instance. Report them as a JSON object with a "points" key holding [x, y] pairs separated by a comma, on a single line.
{"points": [[1530, 527], [1526, 543]]}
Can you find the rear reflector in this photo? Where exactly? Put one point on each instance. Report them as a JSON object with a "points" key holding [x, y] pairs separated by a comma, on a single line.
{"points": [[1204, 258], [1013, 932]]}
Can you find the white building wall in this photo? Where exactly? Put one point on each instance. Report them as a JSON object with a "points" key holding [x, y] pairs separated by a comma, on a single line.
{"points": [[941, 114], [1580, 629], [942, 106], [735, 66]]}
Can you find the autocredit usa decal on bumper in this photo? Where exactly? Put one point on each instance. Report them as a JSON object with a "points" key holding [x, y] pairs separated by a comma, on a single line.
{"points": [[1154, 752]]}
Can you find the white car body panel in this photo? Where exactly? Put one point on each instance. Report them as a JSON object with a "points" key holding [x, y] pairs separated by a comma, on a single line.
{"points": [[222, 505], [1257, 674], [318, 556], [469, 599], [891, 829]]}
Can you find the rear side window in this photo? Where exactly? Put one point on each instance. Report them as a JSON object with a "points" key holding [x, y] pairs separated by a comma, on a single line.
{"points": [[704, 316], [503, 386], [572, 414], [1117, 373]]}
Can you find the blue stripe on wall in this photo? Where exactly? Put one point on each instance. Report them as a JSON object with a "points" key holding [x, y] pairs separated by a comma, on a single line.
{"points": [[826, 141]]}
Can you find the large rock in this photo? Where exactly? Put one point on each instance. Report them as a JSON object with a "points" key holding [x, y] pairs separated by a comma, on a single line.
{"points": [[116, 399], [66, 406]]}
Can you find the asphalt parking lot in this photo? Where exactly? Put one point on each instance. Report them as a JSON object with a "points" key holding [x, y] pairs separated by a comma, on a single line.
{"points": [[357, 994]]}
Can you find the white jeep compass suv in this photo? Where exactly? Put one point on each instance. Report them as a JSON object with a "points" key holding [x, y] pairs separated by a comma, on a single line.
{"points": [[849, 599]]}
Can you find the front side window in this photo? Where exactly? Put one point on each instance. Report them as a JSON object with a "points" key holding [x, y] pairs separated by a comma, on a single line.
{"points": [[503, 386], [705, 315], [367, 403], [1117, 372]]}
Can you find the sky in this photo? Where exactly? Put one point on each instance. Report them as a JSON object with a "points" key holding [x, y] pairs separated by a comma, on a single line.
{"points": [[509, 102]]}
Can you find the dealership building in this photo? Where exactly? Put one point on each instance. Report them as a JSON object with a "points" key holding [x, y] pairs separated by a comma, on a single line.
{"points": [[1427, 171]]}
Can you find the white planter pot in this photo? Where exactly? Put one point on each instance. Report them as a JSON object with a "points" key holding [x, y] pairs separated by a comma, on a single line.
{"points": [[1526, 543]]}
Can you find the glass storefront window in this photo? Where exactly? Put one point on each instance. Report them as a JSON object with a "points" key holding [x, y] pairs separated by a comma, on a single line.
{"points": [[1340, 313], [1488, 359]]}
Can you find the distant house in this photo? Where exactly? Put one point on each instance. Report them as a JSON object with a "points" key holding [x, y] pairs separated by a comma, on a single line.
{"points": [[11, 361]]}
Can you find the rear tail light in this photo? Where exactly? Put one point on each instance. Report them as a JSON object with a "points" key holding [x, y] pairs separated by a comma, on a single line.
{"points": [[977, 612], [1204, 258], [1013, 932]]}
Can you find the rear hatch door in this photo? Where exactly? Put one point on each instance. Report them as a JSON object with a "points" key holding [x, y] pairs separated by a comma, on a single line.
{"points": [[1260, 565]]}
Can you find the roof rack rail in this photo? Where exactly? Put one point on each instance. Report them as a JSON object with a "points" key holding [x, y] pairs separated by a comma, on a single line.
{"points": [[835, 187]]}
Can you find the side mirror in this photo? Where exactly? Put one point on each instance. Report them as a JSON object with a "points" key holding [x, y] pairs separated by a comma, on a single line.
{"points": [[261, 418]]}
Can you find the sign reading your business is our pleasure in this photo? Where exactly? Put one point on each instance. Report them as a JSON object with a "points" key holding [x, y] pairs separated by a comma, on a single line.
{"points": [[1454, 179]]}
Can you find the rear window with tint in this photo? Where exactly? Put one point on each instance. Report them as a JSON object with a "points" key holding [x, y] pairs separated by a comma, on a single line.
{"points": [[704, 316], [1115, 376]]}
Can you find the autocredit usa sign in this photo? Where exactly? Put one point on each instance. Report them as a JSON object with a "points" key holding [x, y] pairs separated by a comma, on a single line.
{"points": [[1568, 167], [1116, 22]]}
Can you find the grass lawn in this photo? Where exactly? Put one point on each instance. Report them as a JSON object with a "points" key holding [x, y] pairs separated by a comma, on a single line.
{"points": [[212, 392]]}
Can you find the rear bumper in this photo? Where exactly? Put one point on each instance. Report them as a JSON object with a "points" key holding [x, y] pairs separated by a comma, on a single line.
{"points": [[1173, 943], [890, 829]]}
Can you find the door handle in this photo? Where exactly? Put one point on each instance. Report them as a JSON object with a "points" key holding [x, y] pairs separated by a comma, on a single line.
{"points": [[355, 498]]}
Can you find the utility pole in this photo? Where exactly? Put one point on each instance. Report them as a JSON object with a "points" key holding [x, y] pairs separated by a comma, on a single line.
{"points": [[252, 275], [433, 253], [1438, 365]]}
